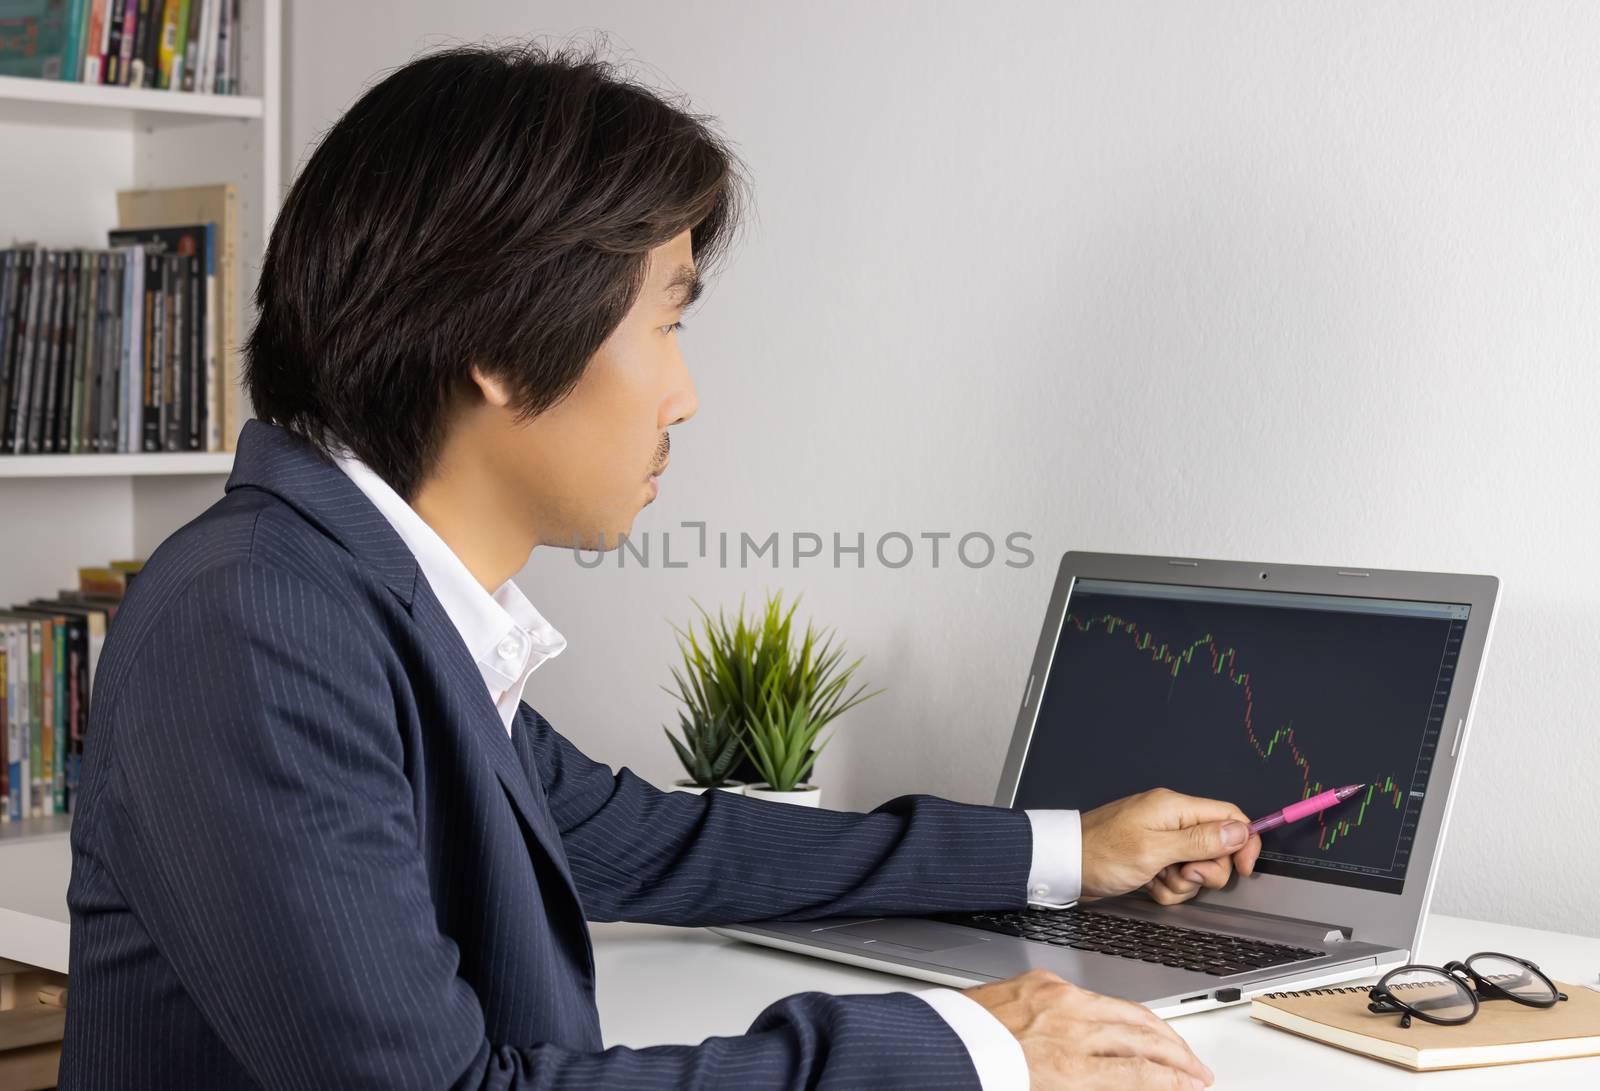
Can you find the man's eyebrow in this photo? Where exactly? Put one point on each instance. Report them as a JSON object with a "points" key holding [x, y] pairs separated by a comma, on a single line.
{"points": [[685, 286]]}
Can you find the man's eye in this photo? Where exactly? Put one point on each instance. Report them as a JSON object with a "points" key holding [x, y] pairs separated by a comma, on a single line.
{"points": [[673, 327]]}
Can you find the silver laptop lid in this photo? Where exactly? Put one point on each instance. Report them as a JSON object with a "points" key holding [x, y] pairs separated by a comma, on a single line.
{"points": [[1261, 684]]}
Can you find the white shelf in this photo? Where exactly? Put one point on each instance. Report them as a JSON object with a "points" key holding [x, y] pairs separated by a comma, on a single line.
{"points": [[165, 464], [138, 100], [35, 829]]}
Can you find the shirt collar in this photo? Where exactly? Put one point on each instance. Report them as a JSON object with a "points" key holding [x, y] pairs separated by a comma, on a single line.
{"points": [[506, 635]]}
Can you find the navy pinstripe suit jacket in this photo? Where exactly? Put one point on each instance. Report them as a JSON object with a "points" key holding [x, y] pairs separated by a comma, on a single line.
{"points": [[308, 855]]}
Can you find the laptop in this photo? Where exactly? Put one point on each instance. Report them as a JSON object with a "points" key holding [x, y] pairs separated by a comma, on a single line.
{"points": [[1260, 684]]}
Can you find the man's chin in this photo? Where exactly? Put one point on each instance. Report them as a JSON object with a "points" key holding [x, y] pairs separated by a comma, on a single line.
{"points": [[599, 540]]}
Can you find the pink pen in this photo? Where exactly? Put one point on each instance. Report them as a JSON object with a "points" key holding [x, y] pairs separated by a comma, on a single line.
{"points": [[1296, 811]]}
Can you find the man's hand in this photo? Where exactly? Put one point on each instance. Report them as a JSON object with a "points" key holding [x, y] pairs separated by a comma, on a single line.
{"points": [[1073, 1038], [1169, 844]]}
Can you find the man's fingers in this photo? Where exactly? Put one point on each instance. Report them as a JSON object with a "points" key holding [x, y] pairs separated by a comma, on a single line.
{"points": [[1208, 840], [1183, 811], [1135, 1040], [1114, 1009], [1245, 859], [1134, 1074], [1211, 873], [1170, 888]]}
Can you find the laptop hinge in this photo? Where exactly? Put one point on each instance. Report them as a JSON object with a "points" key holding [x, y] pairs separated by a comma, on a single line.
{"points": [[1323, 931], [1228, 916]]}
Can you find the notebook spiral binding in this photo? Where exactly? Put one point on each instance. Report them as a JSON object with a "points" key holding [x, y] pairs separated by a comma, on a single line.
{"points": [[1367, 988], [1344, 989]]}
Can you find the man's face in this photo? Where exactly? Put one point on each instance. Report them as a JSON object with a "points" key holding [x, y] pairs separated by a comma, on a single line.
{"points": [[587, 465]]}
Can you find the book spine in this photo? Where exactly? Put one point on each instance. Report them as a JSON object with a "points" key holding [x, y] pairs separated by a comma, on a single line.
{"points": [[150, 428], [84, 343], [72, 374], [130, 29], [45, 735], [5, 727], [137, 64], [228, 299], [58, 770], [27, 302], [112, 59], [41, 387], [172, 388], [192, 10], [30, 720], [152, 48], [206, 79], [111, 343], [133, 358], [10, 285], [213, 400], [73, 46], [194, 355], [17, 699], [89, 68], [226, 32], [95, 359], [167, 51], [58, 415], [61, 411], [27, 364], [82, 677]]}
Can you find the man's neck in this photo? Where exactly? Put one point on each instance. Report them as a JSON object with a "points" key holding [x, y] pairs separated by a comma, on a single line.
{"points": [[462, 506]]}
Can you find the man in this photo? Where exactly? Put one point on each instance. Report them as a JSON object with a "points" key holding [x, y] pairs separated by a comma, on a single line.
{"points": [[321, 840]]}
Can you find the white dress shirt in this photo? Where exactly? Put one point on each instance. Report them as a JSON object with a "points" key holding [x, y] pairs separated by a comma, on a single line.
{"points": [[509, 639]]}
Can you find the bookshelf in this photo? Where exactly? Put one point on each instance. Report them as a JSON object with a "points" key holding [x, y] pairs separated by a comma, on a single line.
{"points": [[68, 148]]}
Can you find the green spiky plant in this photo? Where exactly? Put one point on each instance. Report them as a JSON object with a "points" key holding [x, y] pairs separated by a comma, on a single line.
{"points": [[709, 749], [777, 697]]}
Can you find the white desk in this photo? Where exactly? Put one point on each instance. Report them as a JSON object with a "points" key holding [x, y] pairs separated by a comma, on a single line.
{"points": [[664, 985]]}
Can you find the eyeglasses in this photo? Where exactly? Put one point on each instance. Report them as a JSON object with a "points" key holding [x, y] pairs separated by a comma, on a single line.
{"points": [[1440, 994]]}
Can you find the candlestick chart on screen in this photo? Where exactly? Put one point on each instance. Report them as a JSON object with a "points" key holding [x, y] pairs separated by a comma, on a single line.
{"points": [[1258, 705]]}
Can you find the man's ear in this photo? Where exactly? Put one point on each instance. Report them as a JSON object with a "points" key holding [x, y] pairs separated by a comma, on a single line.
{"points": [[492, 389]]}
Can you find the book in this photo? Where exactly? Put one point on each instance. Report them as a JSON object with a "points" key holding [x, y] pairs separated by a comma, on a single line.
{"points": [[174, 277], [15, 633], [1502, 1032], [5, 733], [109, 580], [65, 678], [34, 39], [12, 287], [216, 205]]}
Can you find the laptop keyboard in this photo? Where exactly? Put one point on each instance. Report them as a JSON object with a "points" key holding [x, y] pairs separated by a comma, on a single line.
{"points": [[1143, 941]]}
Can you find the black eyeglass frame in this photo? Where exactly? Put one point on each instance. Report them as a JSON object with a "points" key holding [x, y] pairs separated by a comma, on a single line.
{"points": [[1384, 1002]]}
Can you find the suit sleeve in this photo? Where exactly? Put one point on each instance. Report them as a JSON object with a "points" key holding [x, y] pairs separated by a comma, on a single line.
{"points": [[641, 854], [261, 829]]}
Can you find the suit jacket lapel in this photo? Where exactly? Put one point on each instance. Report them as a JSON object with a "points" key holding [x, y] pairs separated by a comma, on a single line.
{"points": [[272, 458], [484, 722]]}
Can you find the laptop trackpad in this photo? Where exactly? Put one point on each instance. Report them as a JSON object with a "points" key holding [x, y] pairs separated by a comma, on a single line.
{"points": [[914, 934]]}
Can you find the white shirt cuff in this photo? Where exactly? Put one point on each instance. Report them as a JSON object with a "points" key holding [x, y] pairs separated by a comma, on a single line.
{"points": [[1056, 878], [995, 1052]]}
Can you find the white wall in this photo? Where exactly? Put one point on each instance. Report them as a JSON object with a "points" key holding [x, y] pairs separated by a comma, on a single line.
{"points": [[1295, 282]]}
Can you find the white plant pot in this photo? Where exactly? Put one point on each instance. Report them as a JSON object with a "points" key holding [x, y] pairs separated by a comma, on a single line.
{"points": [[804, 795], [734, 786]]}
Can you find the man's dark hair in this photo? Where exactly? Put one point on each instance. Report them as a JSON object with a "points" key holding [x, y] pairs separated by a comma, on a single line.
{"points": [[489, 205]]}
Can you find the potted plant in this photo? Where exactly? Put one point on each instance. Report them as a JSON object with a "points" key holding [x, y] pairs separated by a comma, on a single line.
{"points": [[708, 750], [778, 694]]}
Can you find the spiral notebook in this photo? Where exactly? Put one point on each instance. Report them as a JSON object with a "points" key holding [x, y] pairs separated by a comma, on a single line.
{"points": [[1501, 1033]]}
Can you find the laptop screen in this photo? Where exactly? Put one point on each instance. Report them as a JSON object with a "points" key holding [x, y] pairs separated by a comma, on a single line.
{"points": [[1261, 698]]}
